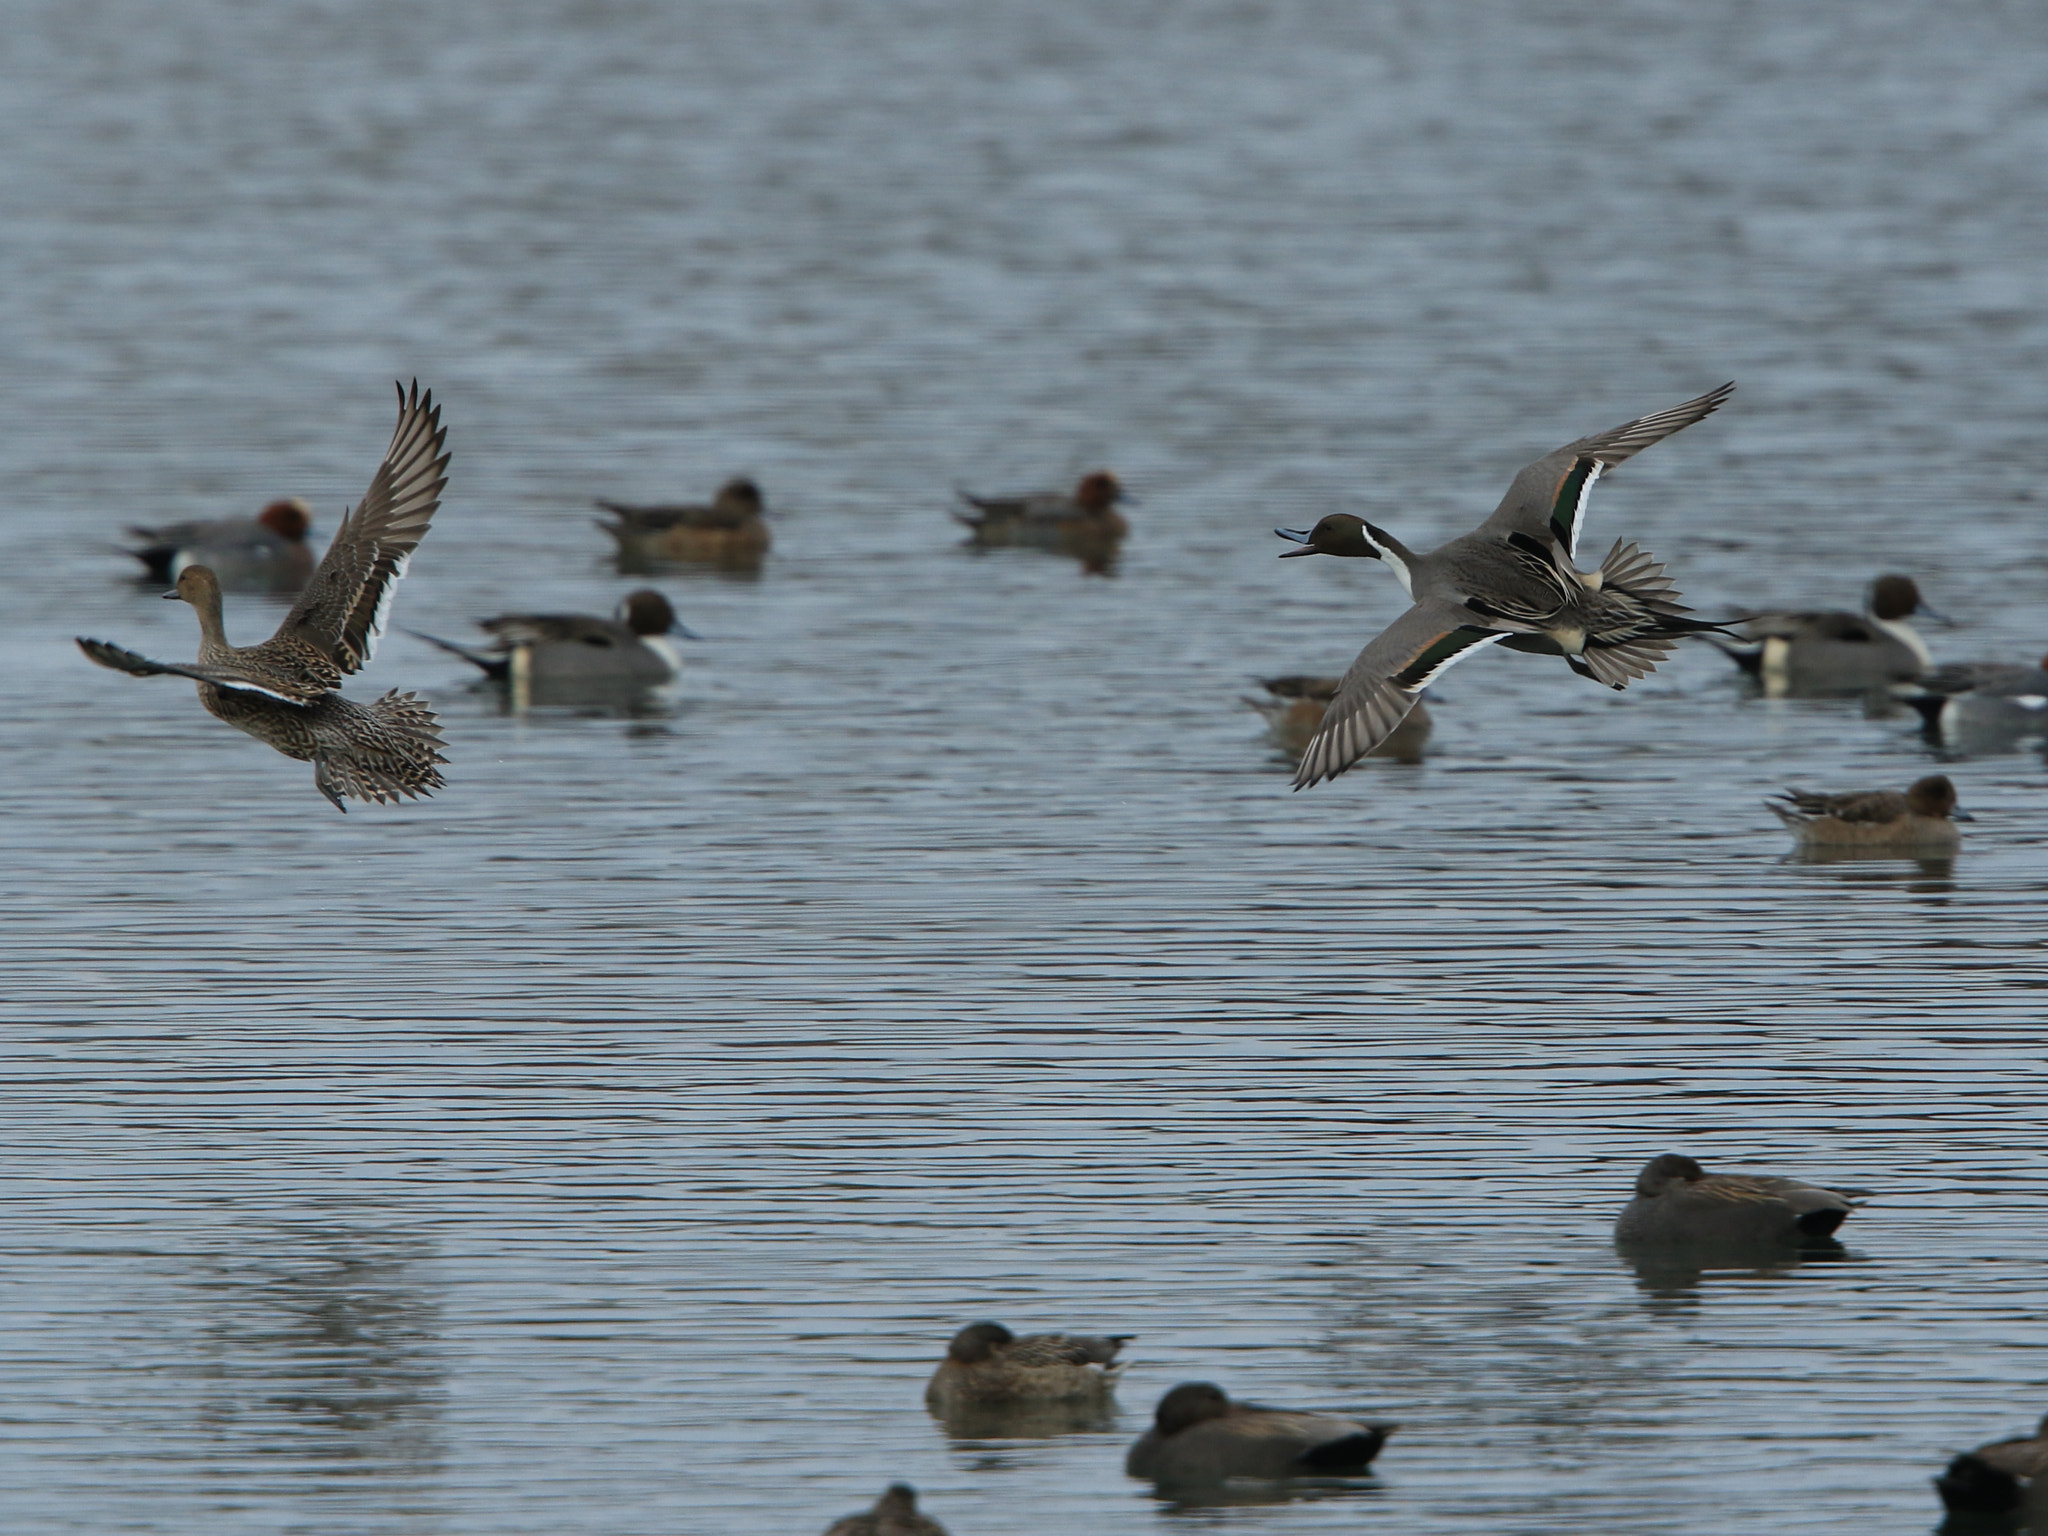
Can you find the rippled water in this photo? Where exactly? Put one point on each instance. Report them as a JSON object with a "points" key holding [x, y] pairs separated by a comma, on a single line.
{"points": [[610, 1144]]}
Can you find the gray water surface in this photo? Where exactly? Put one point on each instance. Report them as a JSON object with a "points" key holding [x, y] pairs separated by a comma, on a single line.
{"points": [[610, 1144]]}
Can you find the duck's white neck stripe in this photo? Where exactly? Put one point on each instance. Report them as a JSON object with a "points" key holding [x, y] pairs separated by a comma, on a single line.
{"points": [[1394, 561], [1907, 636]]}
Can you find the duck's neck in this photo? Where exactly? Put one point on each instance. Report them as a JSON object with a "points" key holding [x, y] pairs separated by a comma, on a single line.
{"points": [[213, 635], [1399, 558]]}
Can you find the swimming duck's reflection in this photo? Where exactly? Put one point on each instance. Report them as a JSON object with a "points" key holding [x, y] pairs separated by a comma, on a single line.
{"points": [[1671, 1276]]}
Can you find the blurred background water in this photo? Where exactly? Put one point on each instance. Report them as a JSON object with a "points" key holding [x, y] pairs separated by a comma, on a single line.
{"points": [[610, 1144]]}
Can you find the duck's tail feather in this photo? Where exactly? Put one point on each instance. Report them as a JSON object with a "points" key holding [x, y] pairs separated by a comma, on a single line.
{"points": [[498, 668], [394, 754]]}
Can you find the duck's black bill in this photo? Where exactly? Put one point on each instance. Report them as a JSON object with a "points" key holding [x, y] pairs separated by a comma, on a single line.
{"points": [[1935, 614], [1299, 536], [683, 631], [170, 596], [1960, 816]]}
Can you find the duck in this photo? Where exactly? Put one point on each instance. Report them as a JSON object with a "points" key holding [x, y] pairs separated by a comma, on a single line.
{"points": [[1083, 522], [987, 1365], [1513, 579], [731, 531], [894, 1514], [285, 691], [1294, 707], [1818, 651], [1997, 1478], [1980, 699], [1923, 818], [559, 651], [1678, 1201], [264, 553], [1199, 1435]]}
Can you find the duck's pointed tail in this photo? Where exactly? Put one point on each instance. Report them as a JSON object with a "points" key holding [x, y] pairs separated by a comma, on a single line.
{"points": [[390, 752]]}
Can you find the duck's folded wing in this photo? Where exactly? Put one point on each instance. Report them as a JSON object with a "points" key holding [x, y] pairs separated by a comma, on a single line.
{"points": [[342, 610], [1548, 497], [1384, 683], [221, 677]]}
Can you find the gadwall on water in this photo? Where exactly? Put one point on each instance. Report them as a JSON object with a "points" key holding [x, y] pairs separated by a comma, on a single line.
{"points": [[1924, 817], [564, 650], [1998, 1478], [1512, 579], [1295, 705], [285, 691], [1678, 1201], [986, 1365], [894, 1514], [1980, 698], [1084, 522], [264, 553], [732, 530], [1836, 651], [1199, 1435]]}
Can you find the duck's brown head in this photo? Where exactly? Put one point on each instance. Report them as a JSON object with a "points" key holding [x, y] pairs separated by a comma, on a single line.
{"points": [[978, 1342], [646, 612], [1664, 1172], [898, 1502], [1898, 597], [741, 496], [198, 586], [1934, 796], [289, 519], [1338, 534], [1189, 1404], [1098, 492]]}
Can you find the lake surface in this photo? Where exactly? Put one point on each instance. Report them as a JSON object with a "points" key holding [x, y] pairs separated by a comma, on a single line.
{"points": [[610, 1144]]}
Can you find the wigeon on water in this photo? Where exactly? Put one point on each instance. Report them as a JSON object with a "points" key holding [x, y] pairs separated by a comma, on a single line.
{"points": [[731, 531], [1511, 580], [1677, 1202], [561, 653], [1834, 651], [1199, 1436], [264, 553], [987, 1365], [1083, 522], [1923, 818], [285, 691], [894, 1514]]}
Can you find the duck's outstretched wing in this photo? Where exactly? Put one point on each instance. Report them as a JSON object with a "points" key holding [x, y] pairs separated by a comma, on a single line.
{"points": [[1548, 498], [1384, 683], [221, 677], [341, 613]]}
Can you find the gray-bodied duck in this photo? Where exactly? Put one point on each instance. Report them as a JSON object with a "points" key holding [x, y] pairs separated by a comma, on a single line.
{"points": [[1679, 1202], [894, 1514], [264, 553], [732, 530], [1980, 699], [1923, 818], [986, 1365], [286, 691], [1832, 650], [1511, 580], [1199, 1435], [561, 651], [1999, 1478]]}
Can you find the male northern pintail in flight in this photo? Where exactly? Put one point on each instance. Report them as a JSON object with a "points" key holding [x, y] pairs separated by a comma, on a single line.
{"points": [[560, 652], [1295, 705], [893, 1514], [1513, 580], [1677, 1201], [732, 531], [264, 553], [286, 691], [1817, 651], [1923, 818], [1980, 700], [1200, 1436]]}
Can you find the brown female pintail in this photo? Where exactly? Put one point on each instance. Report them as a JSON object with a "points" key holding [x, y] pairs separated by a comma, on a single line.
{"points": [[1294, 710], [731, 531], [894, 1514], [560, 651], [1084, 523], [264, 553], [987, 1365], [1678, 1201], [1999, 1478], [1200, 1436], [1818, 651], [1512, 579], [285, 691], [1923, 818]]}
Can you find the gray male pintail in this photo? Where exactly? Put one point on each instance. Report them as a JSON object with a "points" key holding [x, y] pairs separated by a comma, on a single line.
{"points": [[1922, 819], [564, 650], [1512, 579], [264, 553], [2001, 1478], [1980, 699], [1679, 1202], [286, 691], [988, 1365], [894, 1514], [1832, 650], [1200, 1436]]}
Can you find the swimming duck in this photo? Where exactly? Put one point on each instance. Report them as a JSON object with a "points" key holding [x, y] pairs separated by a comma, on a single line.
{"points": [[1678, 1201], [894, 1514], [987, 1365], [1923, 818], [1199, 1435], [285, 691], [1997, 1478], [731, 531], [1836, 651], [1980, 698], [264, 553], [1511, 580], [1084, 522], [1294, 710], [559, 651]]}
